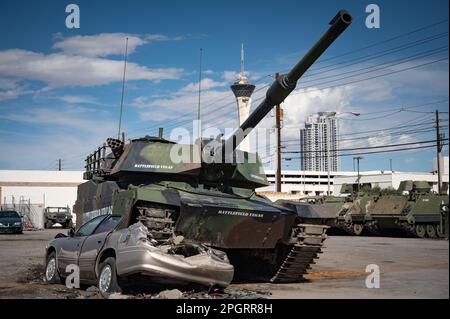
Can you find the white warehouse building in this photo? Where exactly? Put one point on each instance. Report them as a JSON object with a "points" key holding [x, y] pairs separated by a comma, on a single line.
{"points": [[50, 188]]}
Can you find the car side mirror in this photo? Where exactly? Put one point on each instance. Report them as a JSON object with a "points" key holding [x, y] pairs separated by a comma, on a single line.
{"points": [[71, 232]]}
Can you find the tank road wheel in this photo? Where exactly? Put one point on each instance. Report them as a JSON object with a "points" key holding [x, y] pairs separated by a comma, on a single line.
{"points": [[421, 231], [431, 231], [358, 229]]}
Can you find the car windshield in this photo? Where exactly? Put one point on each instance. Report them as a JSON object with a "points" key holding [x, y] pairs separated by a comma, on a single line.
{"points": [[57, 209], [108, 224], [9, 214]]}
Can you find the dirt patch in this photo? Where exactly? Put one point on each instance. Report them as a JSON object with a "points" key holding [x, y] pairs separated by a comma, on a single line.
{"points": [[32, 274], [321, 275]]}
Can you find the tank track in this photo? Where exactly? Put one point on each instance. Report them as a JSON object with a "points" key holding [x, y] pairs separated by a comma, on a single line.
{"points": [[411, 231], [349, 228], [308, 242], [373, 228]]}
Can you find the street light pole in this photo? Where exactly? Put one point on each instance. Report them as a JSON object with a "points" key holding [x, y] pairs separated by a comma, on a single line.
{"points": [[328, 146], [358, 158]]}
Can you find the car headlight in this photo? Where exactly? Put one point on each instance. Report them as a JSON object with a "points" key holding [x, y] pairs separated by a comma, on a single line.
{"points": [[1, 224], [17, 223]]}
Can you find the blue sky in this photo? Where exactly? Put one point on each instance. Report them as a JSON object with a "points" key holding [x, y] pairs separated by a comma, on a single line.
{"points": [[60, 88]]}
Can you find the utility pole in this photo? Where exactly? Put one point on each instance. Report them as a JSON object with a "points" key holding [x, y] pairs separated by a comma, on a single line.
{"points": [[390, 164], [59, 164], [438, 151], [358, 158], [278, 143], [328, 160]]}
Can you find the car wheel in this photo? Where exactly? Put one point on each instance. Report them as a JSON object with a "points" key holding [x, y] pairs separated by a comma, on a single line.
{"points": [[51, 270], [107, 278]]}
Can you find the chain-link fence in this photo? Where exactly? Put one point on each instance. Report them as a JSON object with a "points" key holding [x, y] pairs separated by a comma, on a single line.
{"points": [[32, 214]]}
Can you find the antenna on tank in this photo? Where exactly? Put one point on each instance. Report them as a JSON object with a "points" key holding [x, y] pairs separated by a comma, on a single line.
{"points": [[199, 92], [123, 87]]}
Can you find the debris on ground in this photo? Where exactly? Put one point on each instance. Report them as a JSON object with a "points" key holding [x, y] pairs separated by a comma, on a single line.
{"points": [[32, 274], [170, 294], [118, 295], [228, 293]]}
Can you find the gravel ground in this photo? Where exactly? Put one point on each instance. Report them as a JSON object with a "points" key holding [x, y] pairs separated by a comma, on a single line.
{"points": [[409, 268]]}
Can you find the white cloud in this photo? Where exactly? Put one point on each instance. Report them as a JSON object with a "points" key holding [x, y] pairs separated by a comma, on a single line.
{"points": [[380, 139], [58, 70], [105, 44], [78, 99], [69, 133], [207, 84], [71, 118], [230, 76], [7, 84], [13, 93], [208, 72]]}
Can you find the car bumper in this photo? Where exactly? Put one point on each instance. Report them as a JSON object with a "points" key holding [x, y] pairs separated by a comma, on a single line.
{"points": [[202, 269], [11, 229]]}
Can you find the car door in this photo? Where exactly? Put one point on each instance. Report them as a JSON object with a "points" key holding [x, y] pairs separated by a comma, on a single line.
{"points": [[70, 247], [92, 246]]}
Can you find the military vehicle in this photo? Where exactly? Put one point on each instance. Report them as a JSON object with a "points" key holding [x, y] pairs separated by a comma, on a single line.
{"points": [[350, 217], [416, 211], [324, 209], [210, 198], [58, 215]]}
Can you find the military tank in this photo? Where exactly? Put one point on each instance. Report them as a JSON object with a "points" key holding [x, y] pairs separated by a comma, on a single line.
{"points": [[209, 198], [416, 211]]}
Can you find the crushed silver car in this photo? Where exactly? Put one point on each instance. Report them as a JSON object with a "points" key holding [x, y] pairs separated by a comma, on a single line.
{"points": [[106, 253]]}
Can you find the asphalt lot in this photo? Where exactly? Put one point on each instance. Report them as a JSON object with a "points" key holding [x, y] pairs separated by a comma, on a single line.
{"points": [[409, 268]]}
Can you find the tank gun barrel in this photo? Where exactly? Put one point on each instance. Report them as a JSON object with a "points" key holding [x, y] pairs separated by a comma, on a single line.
{"points": [[286, 83]]}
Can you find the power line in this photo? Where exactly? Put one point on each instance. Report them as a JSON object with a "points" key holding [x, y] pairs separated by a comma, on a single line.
{"points": [[364, 148], [385, 64], [433, 37], [384, 151], [402, 35], [298, 91]]}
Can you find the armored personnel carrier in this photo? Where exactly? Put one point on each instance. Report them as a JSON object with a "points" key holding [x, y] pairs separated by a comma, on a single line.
{"points": [[350, 217], [416, 211], [324, 209], [211, 200]]}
